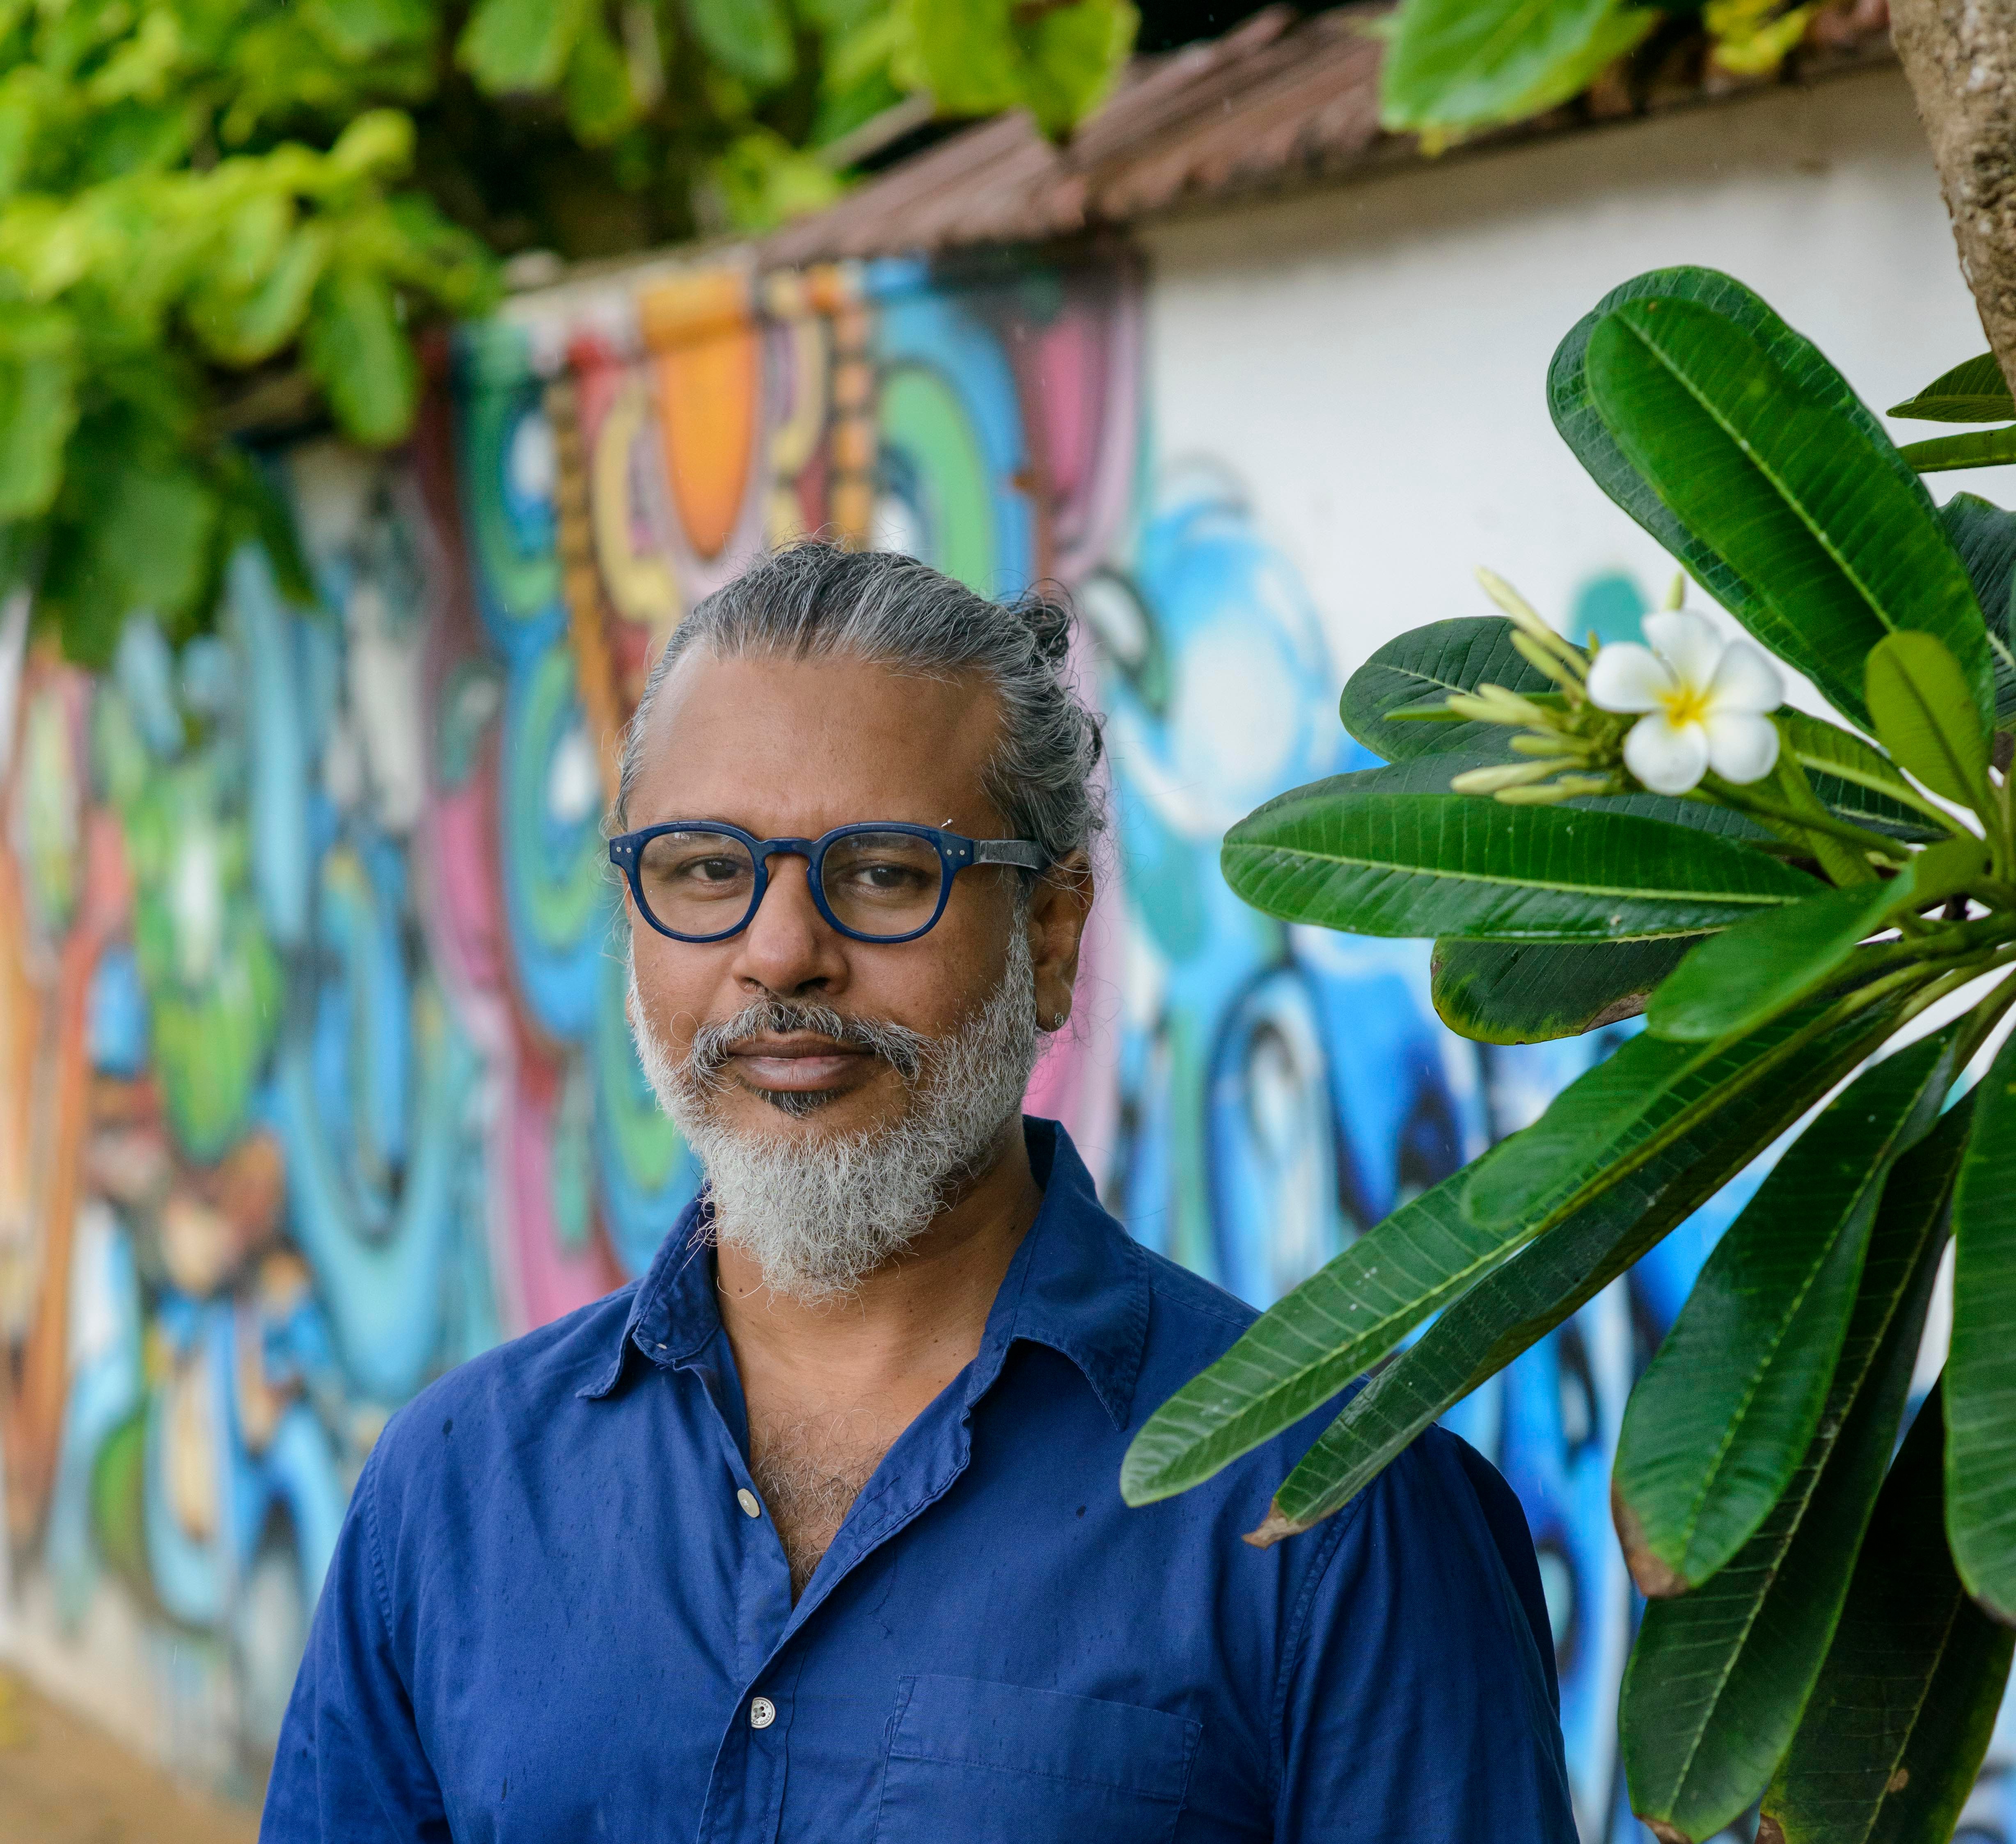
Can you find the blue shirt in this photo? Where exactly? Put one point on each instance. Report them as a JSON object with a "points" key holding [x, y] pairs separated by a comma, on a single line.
{"points": [[550, 1619]]}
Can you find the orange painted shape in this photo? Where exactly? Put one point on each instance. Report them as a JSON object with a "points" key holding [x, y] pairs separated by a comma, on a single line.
{"points": [[708, 359]]}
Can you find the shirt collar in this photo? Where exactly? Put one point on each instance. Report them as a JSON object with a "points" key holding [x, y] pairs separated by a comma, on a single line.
{"points": [[1078, 1284]]}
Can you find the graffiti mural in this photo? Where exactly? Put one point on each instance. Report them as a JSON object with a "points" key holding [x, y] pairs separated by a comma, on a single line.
{"points": [[316, 1075]]}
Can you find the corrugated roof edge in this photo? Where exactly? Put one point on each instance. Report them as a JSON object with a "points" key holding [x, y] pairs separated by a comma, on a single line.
{"points": [[1274, 103]]}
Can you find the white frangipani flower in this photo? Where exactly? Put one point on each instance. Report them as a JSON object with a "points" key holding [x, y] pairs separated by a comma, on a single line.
{"points": [[1707, 701]]}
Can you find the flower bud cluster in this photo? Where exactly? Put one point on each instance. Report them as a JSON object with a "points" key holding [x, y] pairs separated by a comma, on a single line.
{"points": [[1570, 747]]}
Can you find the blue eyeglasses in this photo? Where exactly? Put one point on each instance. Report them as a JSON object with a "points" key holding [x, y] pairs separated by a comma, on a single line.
{"points": [[702, 879]]}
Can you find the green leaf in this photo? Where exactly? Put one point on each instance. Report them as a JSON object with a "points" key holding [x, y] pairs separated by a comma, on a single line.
{"points": [[359, 353], [39, 367], [514, 46], [241, 326], [1612, 1118], [1922, 709], [1899, 1720], [600, 104], [1731, 440], [1431, 662], [1530, 992], [1859, 782], [1456, 64], [750, 38], [1738, 979], [1980, 1364], [1424, 864], [1946, 454], [1975, 392], [1717, 1679], [1984, 535], [1715, 1426], [978, 57], [1512, 1309], [1310, 1344]]}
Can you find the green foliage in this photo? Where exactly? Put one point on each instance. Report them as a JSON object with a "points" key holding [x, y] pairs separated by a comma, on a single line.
{"points": [[1743, 437], [1718, 1676], [978, 57], [1986, 447], [1778, 931], [1528, 992], [1889, 1743], [213, 215], [1975, 392], [1454, 64], [1980, 1367], [1733, 1398], [1420, 669], [1346, 854]]}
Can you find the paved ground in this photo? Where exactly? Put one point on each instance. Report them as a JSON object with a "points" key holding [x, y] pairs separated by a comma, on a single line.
{"points": [[62, 1782]]}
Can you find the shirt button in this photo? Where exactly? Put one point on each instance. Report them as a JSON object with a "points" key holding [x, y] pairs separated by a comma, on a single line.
{"points": [[762, 1713], [746, 1500]]}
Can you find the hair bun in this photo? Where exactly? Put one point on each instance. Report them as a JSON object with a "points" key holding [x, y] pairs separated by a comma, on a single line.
{"points": [[1050, 619]]}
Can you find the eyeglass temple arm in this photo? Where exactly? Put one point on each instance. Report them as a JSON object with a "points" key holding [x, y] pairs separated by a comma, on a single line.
{"points": [[1029, 855]]}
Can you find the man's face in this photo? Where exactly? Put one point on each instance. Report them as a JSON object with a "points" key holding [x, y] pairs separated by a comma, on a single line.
{"points": [[785, 747]]}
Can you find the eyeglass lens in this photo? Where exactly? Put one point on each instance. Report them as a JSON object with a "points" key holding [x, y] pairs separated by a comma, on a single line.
{"points": [[701, 883]]}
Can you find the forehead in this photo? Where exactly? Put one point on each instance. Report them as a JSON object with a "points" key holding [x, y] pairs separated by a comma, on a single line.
{"points": [[785, 746]]}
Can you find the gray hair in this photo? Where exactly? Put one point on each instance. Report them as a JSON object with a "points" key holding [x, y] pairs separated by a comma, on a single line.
{"points": [[815, 598]]}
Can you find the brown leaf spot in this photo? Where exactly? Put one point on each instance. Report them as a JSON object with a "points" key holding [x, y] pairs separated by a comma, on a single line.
{"points": [[1898, 1781], [1769, 1831], [1273, 1527], [1665, 1833], [1657, 1578]]}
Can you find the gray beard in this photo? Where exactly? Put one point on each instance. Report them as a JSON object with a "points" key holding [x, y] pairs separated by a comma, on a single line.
{"points": [[818, 1213]]}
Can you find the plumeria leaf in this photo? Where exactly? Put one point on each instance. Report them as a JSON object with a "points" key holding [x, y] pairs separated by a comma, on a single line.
{"points": [[1612, 1118], [1426, 864], [1515, 1307], [1923, 713], [1429, 663], [1891, 1740], [1943, 454], [1736, 980], [1984, 535], [1855, 780], [1981, 1365], [1975, 392], [1735, 443], [1458, 64], [1715, 1428], [1713, 1691], [1530, 992]]}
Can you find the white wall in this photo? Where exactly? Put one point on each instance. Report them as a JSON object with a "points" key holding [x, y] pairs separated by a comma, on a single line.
{"points": [[1370, 359]]}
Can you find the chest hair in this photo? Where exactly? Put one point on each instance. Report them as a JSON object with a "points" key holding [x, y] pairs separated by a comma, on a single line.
{"points": [[809, 1471]]}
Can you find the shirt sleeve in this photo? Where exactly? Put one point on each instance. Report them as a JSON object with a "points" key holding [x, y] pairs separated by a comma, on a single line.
{"points": [[1417, 1705], [350, 1768]]}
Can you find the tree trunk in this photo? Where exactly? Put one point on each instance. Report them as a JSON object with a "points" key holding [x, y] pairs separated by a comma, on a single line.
{"points": [[1961, 58]]}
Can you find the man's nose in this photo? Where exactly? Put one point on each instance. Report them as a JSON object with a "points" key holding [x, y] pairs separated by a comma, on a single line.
{"points": [[787, 946]]}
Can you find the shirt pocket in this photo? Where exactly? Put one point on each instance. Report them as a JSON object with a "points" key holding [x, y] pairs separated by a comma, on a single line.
{"points": [[996, 1763]]}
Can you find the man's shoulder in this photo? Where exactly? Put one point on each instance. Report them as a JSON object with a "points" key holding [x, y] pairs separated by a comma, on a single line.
{"points": [[502, 1395], [1191, 1319]]}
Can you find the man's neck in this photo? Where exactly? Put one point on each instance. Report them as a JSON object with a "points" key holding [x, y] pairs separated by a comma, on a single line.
{"points": [[830, 1385]]}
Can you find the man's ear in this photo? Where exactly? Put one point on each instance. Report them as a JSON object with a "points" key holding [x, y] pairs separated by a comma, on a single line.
{"points": [[1058, 906]]}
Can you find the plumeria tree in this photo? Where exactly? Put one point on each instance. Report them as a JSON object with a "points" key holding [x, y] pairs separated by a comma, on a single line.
{"points": [[1795, 901]]}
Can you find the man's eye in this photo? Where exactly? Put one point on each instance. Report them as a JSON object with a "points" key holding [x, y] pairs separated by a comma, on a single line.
{"points": [[890, 878]]}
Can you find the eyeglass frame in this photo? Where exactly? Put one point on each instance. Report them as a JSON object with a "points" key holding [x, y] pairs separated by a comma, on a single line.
{"points": [[956, 853]]}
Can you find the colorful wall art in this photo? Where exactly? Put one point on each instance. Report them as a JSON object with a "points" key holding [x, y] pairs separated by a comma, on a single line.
{"points": [[313, 1074]]}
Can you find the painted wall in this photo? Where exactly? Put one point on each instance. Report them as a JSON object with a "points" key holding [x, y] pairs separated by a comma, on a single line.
{"points": [[316, 1076]]}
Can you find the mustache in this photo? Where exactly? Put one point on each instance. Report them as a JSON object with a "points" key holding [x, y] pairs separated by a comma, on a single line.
{"points": [[904, 1049]]}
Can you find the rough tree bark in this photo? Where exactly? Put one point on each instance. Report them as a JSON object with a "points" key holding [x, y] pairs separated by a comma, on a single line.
{"points": [[1961, 58]]}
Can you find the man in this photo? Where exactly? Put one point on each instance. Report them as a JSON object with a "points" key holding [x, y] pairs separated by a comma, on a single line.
{"points": [[815, 1533]]}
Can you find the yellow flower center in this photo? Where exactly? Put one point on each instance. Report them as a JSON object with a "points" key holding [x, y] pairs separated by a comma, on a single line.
{"points": [[1686, 704]]}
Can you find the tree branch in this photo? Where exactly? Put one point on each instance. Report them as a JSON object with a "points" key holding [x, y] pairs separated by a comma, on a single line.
{"points": [[1961, 58]]}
